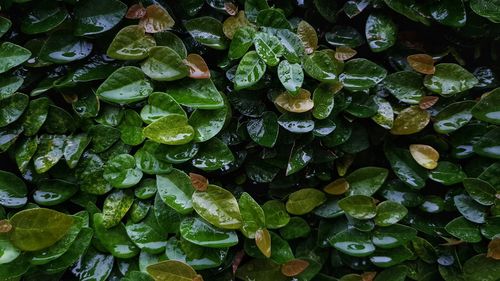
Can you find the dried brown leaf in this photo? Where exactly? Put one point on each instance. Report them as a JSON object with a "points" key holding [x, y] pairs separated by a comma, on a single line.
{"points": [[198, 68], [421, 63], [157, 19], [136, 11], [294, 267]]}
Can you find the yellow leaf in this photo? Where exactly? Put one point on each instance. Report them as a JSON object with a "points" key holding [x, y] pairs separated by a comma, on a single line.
{"points": [[337, 187], [294, 267], [344, 53], [308, 36], [233, 23], [157, 19], [425, 155], [299, 103], [171, 270], [422, 63], [198, 68], [263, 241], [410, 120]]}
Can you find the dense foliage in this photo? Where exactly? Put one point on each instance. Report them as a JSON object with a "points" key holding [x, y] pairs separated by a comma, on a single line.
{"points": [[255, 140]]}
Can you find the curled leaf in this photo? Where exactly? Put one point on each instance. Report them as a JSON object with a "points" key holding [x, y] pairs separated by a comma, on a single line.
{"points": [[136, 11], [421, 63], [337, 187], [198, 68], [298, 103], [294, 267], [308, 36], [199, 182], [428, 101], [263, 241], [425, 155], [343, 53], [157, 19]]}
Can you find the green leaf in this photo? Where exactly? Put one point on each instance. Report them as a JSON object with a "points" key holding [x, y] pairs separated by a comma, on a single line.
{"points": [[25, 150], [449, 79], [196, 93], [366, 181], [409, 8], [213, 155], [8, 252], [449, 12], [264, 130], [207, 31], [353, 243], [252, 215], [380, 32], [481, 268], [147, 235], [207, 123], [90, 175], [291, 76], [269, 48], [359, 206], [323, 98], [126, 85], [480, 190], [405, 168], [488, 145], [13, 191], [94, 16], [276, 214], [272, 18], [160, 105], [250, 70], [43, 17], [304, 201], [294, 49], [241, 42], [453, 117], [9, 85], [267, 271], [172, 129], [121, 172], [63, 47], [387, 258], [169, 39], [12, 107], [323, 66], [196, 256], [115, 207], [385, 113], [296, 123], [406, 86], [218, 206], [5, 25], [12, 55], [464, 230], [164, 64], [471, 210], [486, 8], [299, 158], [361, 74], [49, 152], [296, 228], [147, 160], [201, 233], [447, 173], [346, 36], [92, 263], [131, 128], [175, 189], [177, 154], [393, 236], [389, 213], [53, 192], [486, 109], [115, 239], [130, 43], [39, 228], [15, 269]]}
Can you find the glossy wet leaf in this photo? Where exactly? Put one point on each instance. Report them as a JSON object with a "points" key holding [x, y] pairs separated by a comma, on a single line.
{"points": [[393, 236], [323, 66], [294, 267], [260, 269], [449, 79], [12, 107], [291, 76], [198, 68], [480, 267], [276, 214], [250, 70], [213, 155], [115, 207], [196, 93], [157, 19], [469, 208], [126, 85], [464, 230], [207, 31], [481, 191], [175, 190], [390, 257], [53, 192], [385, 113], [263, 242], [130, 43], [272, 18], [389, 213], [447, 173], [218, 206], [361, 74], [12, 55], [486, 109], [487, 9], [366, 181], [296, 228], [406, 86], [43, 17], [94, 17], [353, 243], [453, 117], [264, 130], [63, 47], [405, 168], [34, 229], [487, 145], [49, 152], [201, 233], [171, 129], [308, 36], [207, 123], [295, 103], [232, 24], [121, 172], [304, 201], [164, 64], [294, 49], [13, 191], [252, 215], [160, 105], [171, 270], [196, 256], [358, 206], [5, 25], [410, 120], [425, 155], [176, 154], [242, 40], [380, 32], [115, 239]]}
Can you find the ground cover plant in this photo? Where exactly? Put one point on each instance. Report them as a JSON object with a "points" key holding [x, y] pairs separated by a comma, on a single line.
{"points": [[254, 140]]}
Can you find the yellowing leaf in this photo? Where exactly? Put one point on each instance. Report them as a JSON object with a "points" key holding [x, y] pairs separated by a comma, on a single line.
{"points": [[410, 120], [198, 68], [428, 101], [299, 103], [422, 63], [263, 241], [425, 155], [171, 270], [233, 23], [368, 276], [337, 187], [308, 36], [344, 53], [231, 8], [494, 249], [294, 267], [5, 226], [136, 11], [199, 182], [343, 164], [157, 19]]}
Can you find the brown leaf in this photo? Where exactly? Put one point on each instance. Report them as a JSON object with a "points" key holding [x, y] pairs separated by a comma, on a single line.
{"points": [[422, 63], [233, 23], [494, 249], [344, 53], [198, 68], [231, 8], [199, 182], [428, 101], [70, 97], [263, 241], [136, 11], [157, 19], [237, 259], [5, 226], [368, 276], [294, 267], [308, 36], [337, 187], [198, 278]]}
